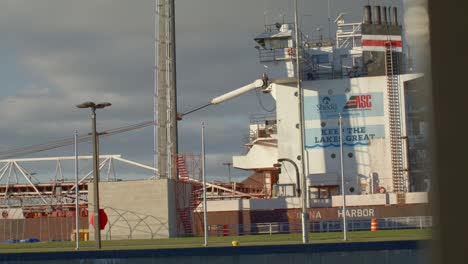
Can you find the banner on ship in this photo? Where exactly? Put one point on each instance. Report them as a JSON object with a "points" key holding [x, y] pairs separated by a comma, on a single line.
{"points": [[352, 136], [350, 105]]}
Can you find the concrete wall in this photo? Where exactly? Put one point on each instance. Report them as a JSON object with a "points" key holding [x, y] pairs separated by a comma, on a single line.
{"points": [[136, 209]]}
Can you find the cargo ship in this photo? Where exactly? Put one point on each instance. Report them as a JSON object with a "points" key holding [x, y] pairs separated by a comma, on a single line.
{"points": [[361, 77]]}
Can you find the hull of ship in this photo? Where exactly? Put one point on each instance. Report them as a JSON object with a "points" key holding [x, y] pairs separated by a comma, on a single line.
{"points": [[234, 220]]}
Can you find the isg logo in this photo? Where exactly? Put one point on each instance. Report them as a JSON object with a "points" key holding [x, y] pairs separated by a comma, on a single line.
{"points": [[359, 102]]}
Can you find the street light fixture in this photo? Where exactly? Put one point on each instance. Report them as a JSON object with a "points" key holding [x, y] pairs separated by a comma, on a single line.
{"points": [[298, 184], [97, 222], [303, 195]]}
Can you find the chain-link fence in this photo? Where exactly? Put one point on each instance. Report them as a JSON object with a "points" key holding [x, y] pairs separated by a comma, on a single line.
{"points": [[41, 228], [63, 228]]}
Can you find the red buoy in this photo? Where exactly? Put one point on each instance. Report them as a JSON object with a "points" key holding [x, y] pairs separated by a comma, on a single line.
{"points": [[103, 218]]}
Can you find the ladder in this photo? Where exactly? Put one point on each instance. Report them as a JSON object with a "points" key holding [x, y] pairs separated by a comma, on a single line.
{"points": [[393, 97], [185, 212]]}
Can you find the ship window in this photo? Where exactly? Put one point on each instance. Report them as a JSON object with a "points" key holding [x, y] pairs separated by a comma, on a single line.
{"points": [[333, 155], [323, 192], [278, 43], [350, 154], [314, 193], [320, 58]]}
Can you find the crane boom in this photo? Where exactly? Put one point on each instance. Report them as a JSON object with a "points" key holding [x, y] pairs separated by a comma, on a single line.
{"points": [[259, 83], [246, 88]]}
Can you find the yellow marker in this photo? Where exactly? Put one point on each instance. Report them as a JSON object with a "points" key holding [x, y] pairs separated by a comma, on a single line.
{"points": [[235, 243]]}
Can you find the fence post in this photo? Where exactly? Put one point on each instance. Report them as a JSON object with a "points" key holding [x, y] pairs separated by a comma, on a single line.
{"points": [[420, 222], [270, 229]]}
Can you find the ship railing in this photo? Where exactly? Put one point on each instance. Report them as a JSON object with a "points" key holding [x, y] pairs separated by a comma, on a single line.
{"points": [[262, 118], [266, 55], [348, 35]]}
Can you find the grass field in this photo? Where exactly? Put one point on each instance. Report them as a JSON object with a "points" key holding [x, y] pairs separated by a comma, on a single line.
{"points": [[186, 242]]}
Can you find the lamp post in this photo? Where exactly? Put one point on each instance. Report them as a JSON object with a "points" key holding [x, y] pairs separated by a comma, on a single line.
{"points": [[229, 169], [77, 196], [97, 218]]}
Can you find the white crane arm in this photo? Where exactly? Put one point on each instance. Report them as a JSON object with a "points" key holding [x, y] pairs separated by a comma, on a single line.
{"points": [[251, 86]]}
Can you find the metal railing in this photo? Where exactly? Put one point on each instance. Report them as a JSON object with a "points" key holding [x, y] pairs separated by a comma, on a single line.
{"points": [[416, 222]]}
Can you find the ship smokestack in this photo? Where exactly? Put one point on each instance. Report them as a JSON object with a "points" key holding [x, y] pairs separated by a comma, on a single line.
{"points": [[389, 15], [377, 15], [384, 15], [367, 15], [395, 16]]}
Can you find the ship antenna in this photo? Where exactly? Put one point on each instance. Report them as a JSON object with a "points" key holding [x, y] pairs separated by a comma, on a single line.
{"points": [[329, 22]]}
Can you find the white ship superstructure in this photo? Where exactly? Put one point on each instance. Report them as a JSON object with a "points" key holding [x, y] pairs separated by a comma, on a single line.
{"points": [[361, 76]]}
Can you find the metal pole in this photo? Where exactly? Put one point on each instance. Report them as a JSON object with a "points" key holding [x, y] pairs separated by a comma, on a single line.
{"points": [[329, 22], [77, 190], [205, 217], [345, 229], [305, 216], [97, 218]]}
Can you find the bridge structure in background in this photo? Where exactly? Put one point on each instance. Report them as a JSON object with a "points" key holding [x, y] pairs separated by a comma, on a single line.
{"points": [[40, 195]]}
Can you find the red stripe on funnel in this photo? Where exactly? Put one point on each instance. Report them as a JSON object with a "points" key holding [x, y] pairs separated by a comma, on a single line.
{"points": [[371, 42]]}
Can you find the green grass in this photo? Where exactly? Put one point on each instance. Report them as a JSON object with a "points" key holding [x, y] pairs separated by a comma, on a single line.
{"points": [[186, 242]]}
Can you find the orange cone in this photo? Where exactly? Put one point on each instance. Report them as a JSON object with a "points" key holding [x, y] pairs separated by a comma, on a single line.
{"points": [[374, 225]]}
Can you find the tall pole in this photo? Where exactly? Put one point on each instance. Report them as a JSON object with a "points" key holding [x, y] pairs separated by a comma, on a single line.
{"points": [[173, 139], [345, 228], [97, 218], [305, 216], [161, 83], [77, 190], [205, 217]]}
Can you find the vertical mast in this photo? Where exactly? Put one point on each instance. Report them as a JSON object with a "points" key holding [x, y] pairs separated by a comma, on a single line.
{"points": [[165, 106], [172, 142], [160, 89]]}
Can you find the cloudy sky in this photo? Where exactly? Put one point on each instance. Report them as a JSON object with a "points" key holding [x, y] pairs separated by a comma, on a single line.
{"points": [[58, 53]]}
